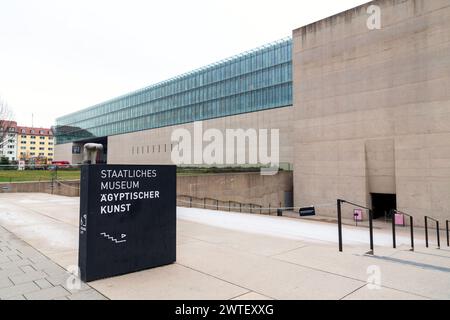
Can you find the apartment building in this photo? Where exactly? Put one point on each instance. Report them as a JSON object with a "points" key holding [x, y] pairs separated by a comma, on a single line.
{"points": [[8, 140], [35, 143]]}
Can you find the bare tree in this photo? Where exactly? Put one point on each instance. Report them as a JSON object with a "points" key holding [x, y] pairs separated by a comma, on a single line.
{"points": [[6, 121]]}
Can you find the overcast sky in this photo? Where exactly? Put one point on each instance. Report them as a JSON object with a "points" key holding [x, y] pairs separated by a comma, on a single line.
{"points": [[60, 56]]}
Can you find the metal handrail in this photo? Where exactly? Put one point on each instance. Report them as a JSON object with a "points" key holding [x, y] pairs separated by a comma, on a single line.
{"points": [[411, 222], [437, 231], [251, 206], [339, 213]]}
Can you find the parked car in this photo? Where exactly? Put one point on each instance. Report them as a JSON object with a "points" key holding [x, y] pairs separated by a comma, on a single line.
{"points": [[60, 165]]}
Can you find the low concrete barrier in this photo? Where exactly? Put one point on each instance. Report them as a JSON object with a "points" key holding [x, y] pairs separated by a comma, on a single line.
{"points": [[62, 188], [247, 188]]}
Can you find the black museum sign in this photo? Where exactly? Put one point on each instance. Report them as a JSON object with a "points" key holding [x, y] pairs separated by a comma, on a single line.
{"points": [[127, 219]]}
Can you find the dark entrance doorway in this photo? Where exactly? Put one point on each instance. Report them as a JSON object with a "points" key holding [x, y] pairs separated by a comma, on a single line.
{"points": [[383, 204]]}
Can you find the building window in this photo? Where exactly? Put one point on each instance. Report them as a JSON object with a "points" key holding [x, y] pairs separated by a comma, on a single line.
{"points": [[32, 142], [23, 142], [23, 137], [33, 137], [32, 148], [50, 154], [41, 143], [50, 143], [23, 131], [42, 138], [41, 148], [42, 132], [23, 148], [32, 131], [41, 154], [32, 153], [75, 149]]}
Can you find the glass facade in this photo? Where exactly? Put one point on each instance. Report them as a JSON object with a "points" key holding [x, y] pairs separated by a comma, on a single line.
{"points": [[253, 81]]}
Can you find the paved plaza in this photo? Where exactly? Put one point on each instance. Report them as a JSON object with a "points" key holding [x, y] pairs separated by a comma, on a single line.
{"points": [[220, 255], [25, 273]]}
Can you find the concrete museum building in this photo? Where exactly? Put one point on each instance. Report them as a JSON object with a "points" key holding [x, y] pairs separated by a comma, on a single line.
{"points": [[363, 110]]}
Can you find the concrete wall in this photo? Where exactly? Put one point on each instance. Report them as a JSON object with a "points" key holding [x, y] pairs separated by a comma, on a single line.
{"points": [[243, 187], [154, 146], [63, 152], [66, 188], [372, 108], [247, 188]]}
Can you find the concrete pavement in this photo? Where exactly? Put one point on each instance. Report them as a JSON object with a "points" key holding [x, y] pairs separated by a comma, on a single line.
{"points": [[27, 274], [231, 262]]}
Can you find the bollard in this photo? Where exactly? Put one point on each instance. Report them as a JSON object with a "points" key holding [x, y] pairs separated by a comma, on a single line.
{"points": [[426, 232], [279, 213], [339, 216], [438, 234], [411, 221], [448, 234], [371, 231], [394, 242]]}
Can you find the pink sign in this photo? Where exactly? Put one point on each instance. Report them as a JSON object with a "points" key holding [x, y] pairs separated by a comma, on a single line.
{"points": [[399, 219], [358, 215]]}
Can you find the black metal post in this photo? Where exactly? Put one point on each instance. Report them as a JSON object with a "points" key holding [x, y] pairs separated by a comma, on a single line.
{"points": [[394, 242], [411, 221], [204, 203], [371, 231], [240, 207], [426, 232], [448, 234], [190, 202], [438, 234], [339, 216]]}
